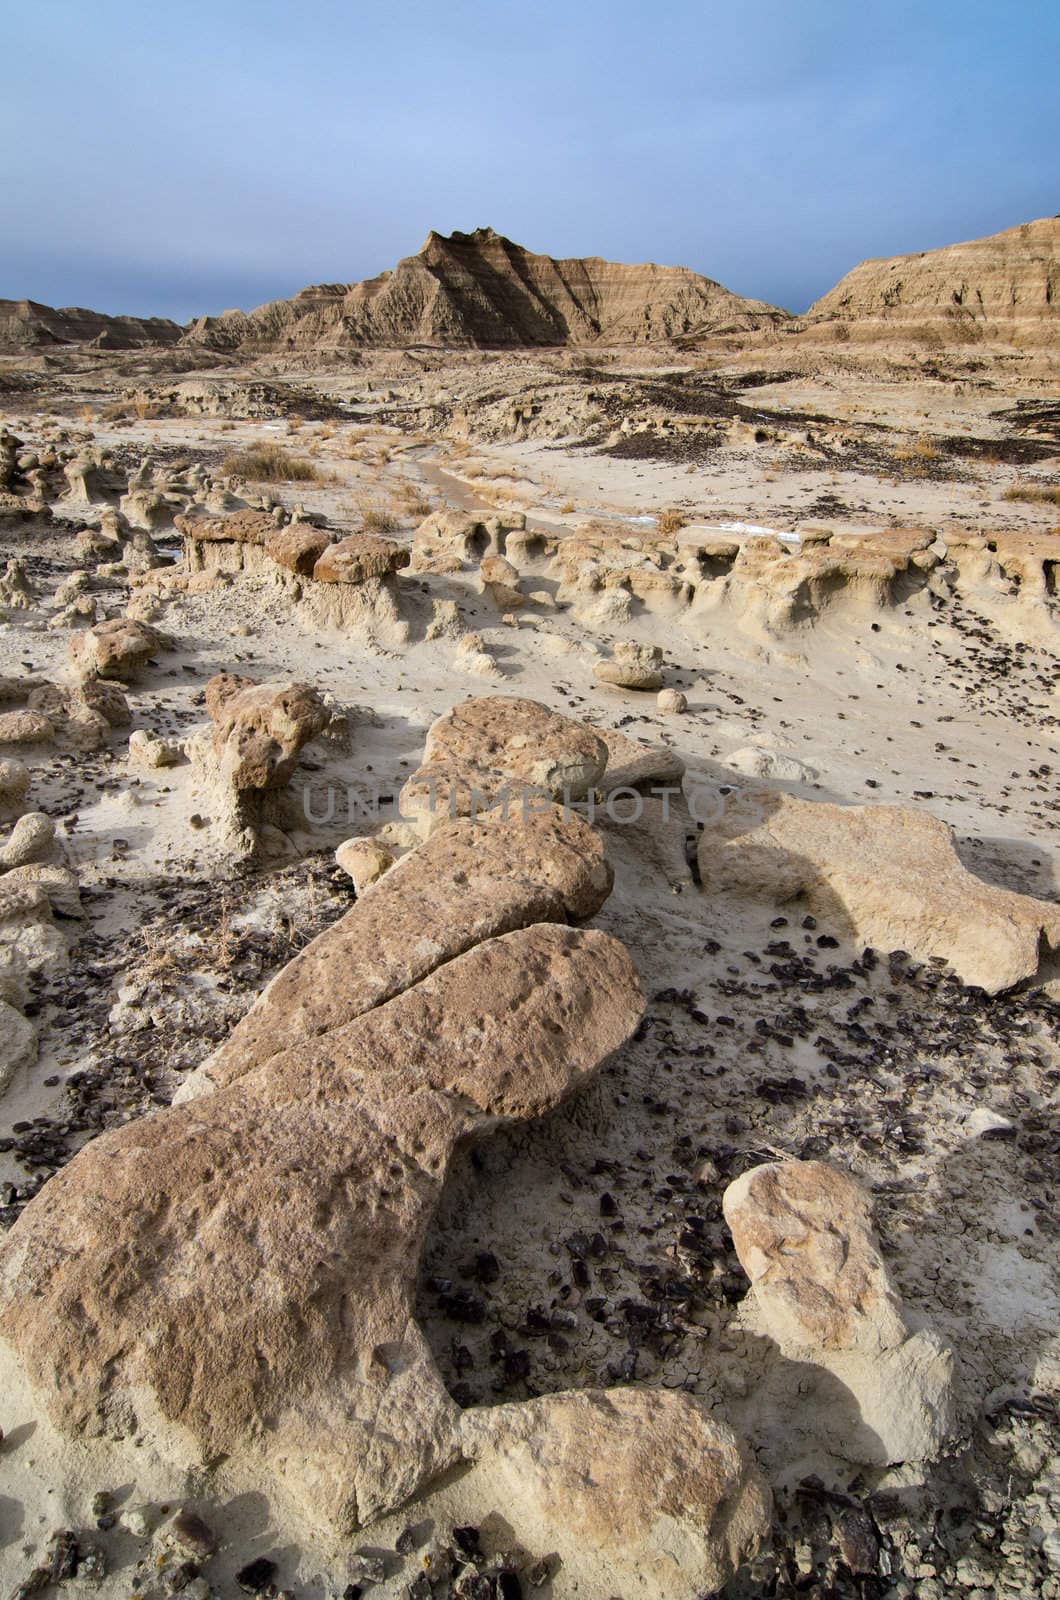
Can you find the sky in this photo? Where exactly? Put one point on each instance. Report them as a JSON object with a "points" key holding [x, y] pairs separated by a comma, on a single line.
{"points": [[180, 158]]}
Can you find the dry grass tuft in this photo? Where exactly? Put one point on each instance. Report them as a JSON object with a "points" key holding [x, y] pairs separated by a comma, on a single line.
{"points": [[671, 520], [269, 463], [1044, 494], [376, 516]]}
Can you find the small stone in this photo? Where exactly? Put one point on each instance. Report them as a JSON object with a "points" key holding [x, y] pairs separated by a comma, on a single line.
{"points": [[857, 1541], [65, 1555], [671, 702], [406, 1541], [182, 1575], [367, 1566], [188, 1531], [256, 1575], [92, 1567], [139, 1521], [102, 1501]]}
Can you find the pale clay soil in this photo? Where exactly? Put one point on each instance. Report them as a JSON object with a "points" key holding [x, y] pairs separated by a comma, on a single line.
{"points": [[176, 941]]}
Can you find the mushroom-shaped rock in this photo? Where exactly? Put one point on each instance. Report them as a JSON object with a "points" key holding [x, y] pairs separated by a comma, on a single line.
{"points": [[235, 1276], [358, 557], [259, 728], [500, 747], [887, 875], [297, 547], [637, 1491], [874, 1389], [118, 648]]}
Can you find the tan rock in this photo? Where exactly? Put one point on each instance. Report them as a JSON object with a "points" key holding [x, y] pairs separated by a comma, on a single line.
{"points": [[146, 750], [471, 881], [18, 1043], [119, 648], [298, 547], [887, 876], [358, 557], [496, 746], [364, 860], [14, 787], [30, 839], [236, 1276], [874, 1389], [636, 1491], [260, 728], [632, 666], [671, 702], [25, 727], [84, 714], [241, 527], [803, 1233]]}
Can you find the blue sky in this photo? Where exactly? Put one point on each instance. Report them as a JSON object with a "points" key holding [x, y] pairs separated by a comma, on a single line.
{"points": [[188, 157]]}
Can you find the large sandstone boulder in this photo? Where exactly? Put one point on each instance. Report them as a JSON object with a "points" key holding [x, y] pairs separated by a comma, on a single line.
{"points": [[803, 1233], [471, 881], [358, 557], [236, 1276], [500, 747], [245, 756], [637, 1491], [887, 876], [260, 728], [298, 547], [875, 1388], [119, 648]]}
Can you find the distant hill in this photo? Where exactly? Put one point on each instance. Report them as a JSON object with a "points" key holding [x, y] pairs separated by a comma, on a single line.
{"points": [[25, 325], [1006, 279], [481, 290]]}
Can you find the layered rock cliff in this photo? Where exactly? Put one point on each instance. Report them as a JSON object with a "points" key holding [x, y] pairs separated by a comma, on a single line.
{"points": [[26, 325], [481, 290], [1008, 279]]}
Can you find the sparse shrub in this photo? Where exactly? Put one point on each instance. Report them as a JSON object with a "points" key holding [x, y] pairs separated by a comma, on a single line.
{"points": [[671, 520], [1038, 494], [269, 463], [376, 516], [414, 500]]}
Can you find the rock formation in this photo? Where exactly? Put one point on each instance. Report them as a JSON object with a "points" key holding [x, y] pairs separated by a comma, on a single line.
{"points": [[26, 325], [500, 749], [820, 1289], [991, 286], [480, 289], [250, 749], [887, 876]]}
